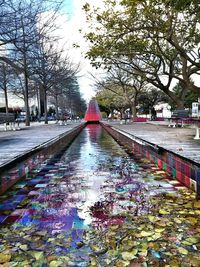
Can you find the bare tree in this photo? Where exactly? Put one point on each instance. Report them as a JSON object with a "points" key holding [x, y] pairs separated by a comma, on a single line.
{"points": [[28, 21], [4, 81]]}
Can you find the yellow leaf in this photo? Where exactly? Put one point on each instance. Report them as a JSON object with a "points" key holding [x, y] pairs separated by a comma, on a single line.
{"points": [[156, 236], [38, 255], [56, 264], [108, 261], [127, 256], [188, 205], [197, 204], [114, 227], [130, 244], [143, 253], [144, 246], [121, 263], [177, 220], [4, 258], [190, 241], [159, 230], [152, 218], [183, 251], [144, 233], [192, 220], [23, 247], [94, 262], [163, 212], [51, 258]]}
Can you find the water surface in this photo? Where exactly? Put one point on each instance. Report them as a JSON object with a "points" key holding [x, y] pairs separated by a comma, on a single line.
{"points": [[94, 205]]}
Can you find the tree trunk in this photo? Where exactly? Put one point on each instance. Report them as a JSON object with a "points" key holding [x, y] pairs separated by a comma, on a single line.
{"points": [[56, 104], [6, 99], [45, 106], [179, 102], [5, 89], [134, 111], [26, 98], [25, 72], [133, 107]]}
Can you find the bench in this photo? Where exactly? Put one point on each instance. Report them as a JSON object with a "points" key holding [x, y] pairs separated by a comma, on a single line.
{"points": [[178, 117], [8, 119]]}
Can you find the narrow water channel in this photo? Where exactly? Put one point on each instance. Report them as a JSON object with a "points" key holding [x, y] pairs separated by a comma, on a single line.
{"points": [[94, 205]]}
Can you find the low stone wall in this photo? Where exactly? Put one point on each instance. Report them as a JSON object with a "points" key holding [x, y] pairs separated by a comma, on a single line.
{"points": [[20, 167], [185, 171]]}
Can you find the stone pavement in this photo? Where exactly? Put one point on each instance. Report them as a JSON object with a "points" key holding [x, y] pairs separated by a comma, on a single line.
{"points": [[177, 140], [16, 143]]}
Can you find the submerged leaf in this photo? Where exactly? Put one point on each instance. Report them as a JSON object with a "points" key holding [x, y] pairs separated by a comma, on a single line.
{"points": [[190, 241], [144, 233], [197, 204], [56, 264], [163, 212], [4, 258], [183, 251], [129, 255]]}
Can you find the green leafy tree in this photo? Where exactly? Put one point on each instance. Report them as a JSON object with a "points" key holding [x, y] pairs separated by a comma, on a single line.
{"points": [[125, 85], [149, 98], [190, 97], [109, 101], [155, 40]]}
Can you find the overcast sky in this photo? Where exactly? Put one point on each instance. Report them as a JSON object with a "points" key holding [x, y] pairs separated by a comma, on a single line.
{"points": [[72, 21]]}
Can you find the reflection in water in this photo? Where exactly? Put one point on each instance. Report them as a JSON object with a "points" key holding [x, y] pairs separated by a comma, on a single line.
{"points": [[46, 218]]}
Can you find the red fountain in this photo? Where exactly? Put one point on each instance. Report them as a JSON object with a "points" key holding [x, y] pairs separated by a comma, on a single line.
{"points": [[93, 113]]}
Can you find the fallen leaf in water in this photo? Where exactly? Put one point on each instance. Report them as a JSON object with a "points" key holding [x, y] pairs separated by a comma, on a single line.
{"points": [[163, 212], [129, 255], [4, 258], [23, 247], [183, 251], [192, 220], [155, 236], [93, 262], [144, 233], [197, 204], [159, 230], [56, 264], [37, 254], [143, 252], [190, 241], [152, 218], [121, 263], [178, 220]]}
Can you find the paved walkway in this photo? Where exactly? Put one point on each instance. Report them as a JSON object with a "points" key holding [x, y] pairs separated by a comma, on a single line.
{"points": [[19, 142], [178, 140]]}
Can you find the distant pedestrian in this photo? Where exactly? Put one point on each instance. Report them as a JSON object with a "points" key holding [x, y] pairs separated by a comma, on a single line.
{"points": [[153, 114], [125, 117]]}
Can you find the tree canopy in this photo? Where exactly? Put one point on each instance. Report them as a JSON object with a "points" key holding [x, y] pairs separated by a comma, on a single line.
{"points": [[157, 40]]}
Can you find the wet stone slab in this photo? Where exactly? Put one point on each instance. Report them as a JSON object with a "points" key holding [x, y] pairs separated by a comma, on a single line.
{"points": [[15, 143], [94, 205], [177, 140]]}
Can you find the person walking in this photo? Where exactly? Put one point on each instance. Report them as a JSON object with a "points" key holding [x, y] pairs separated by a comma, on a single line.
{"points": [[153, 114]]}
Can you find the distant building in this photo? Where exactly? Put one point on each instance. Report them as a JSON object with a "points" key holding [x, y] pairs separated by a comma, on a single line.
{"points": [[163, 110]]}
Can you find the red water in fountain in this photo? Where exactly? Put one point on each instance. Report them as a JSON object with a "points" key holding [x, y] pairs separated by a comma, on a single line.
{"points": [[93, 112]]}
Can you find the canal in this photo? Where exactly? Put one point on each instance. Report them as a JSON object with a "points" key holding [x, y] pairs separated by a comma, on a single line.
{"points": [[95, 205]]}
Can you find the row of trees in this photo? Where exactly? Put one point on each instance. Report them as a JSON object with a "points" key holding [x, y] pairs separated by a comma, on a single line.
{"points": [[31, 64], [145, 44]]}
